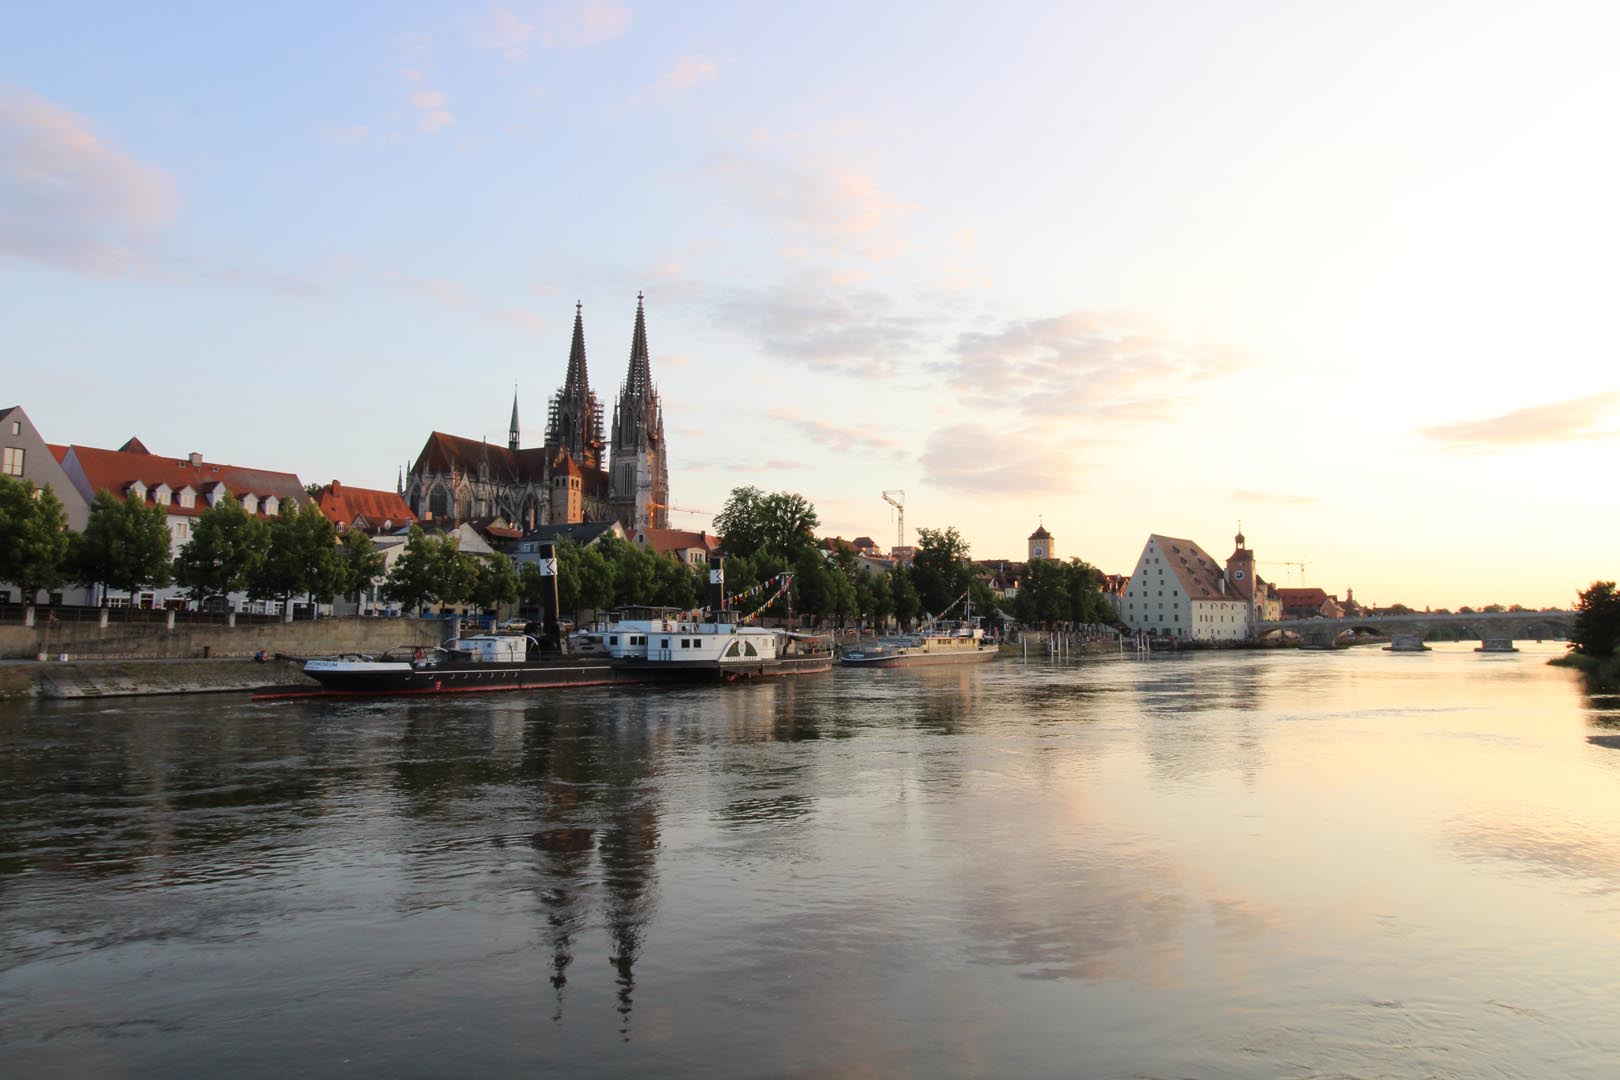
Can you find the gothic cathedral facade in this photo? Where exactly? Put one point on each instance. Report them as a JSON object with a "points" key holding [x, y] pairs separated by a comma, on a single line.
{"points": [[569, 479]]}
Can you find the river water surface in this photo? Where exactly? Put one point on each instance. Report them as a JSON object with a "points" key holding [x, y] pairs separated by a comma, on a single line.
{"points": [[1219, 865]]}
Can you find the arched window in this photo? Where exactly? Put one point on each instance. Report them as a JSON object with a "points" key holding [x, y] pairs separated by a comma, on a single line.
{"points": [[439, 503]]}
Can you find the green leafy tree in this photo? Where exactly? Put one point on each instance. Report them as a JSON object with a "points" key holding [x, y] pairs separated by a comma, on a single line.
{"points": [[903, 598], [33, 536], [1043, 597], [595, 581], [496, 584], [227, 547], [782, 524], [940, 569], [674, 583], [303, 558], [1084, 585], [1597, 621], [415, 574], [125, 545], [362, 562], [458, 572]]}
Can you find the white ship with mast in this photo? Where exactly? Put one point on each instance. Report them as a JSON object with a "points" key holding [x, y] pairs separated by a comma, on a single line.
{"points": [[939, 641]]}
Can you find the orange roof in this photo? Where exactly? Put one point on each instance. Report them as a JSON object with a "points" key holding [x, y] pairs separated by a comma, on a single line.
{"points": [[57, 451], [665, 541], [1197, 571], [343, 504], [116, 470]]}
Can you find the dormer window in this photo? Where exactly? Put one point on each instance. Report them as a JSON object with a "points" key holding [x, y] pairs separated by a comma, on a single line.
{"points": [[272, 505], [188, 496], [250, 503], [137, 491], [161, 493]]}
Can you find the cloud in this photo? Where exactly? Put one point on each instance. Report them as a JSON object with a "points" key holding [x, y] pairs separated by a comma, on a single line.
{"points": [[1065, 383], [69, 198], [1560, 421], [688, 72], [432, 106], [1084, 367], [346, 136], [856, 331], [514, 31], [981, 458], [842, 208], [855, 437]]}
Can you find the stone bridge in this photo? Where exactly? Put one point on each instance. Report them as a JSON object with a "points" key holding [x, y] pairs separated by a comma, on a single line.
{"points": [[1481, 626]]}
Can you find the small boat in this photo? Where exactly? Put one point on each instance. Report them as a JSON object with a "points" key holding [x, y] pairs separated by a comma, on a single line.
{"points": [[938, 642], [1497, 645]]}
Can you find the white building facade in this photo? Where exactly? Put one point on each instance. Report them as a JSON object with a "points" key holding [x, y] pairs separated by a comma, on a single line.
{"points": [[1177, 590]]}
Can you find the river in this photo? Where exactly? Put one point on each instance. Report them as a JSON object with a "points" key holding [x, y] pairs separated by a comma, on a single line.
{"points": [[1213, 865]]}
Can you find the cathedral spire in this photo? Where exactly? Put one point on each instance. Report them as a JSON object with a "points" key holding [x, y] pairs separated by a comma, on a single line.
{"points": [[639, 380], [575, 420], [512, 439], [577, 382]]}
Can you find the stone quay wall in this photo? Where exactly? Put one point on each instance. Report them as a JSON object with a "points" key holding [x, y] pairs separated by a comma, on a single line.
{"points": [[154, 641]]}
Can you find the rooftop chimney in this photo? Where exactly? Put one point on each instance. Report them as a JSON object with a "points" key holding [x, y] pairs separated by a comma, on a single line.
{"points": [[196, 459]]}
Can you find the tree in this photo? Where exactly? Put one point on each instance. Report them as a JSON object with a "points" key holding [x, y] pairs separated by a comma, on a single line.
{"points": [[674, 583], [496, 584], [415, 574], [595, 590], [124, 546], [362, 562], [226, 549], [1597, 621], [33, 536], [903, 596], [1084, 585], [781, 524], [940, 569], [302, 558]]}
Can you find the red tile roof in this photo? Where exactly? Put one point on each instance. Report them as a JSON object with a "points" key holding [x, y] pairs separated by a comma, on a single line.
{"points": [[343, 504], [116, 470], [58, 452], [1197, 571], [664, 541]]}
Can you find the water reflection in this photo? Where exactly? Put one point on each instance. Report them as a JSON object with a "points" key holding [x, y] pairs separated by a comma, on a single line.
{"points": [[1185, 865]]}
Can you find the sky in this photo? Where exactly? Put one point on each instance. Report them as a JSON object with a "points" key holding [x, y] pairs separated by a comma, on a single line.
{"points": [[1344, 273]]}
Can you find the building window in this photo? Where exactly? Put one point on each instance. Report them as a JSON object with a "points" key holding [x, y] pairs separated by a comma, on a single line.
{"points": [[11, 460], [16, 427]]}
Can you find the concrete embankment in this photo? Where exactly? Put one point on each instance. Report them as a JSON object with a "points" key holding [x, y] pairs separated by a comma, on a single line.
{"points": [[120, 678], [150, 658], [87, 640]]}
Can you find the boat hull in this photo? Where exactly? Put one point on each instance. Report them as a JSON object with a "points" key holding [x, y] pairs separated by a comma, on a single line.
{"points": [[377, 679], [917, 659]]}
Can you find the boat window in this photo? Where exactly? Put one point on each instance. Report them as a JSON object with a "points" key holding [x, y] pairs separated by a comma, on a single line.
{"points": [[735, 650], [614, 640], [685, 644], [664, 644], [748, 646]]}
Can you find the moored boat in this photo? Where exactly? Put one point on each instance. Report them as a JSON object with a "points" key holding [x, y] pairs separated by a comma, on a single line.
{"points": [[939, 642], [476, 663]]}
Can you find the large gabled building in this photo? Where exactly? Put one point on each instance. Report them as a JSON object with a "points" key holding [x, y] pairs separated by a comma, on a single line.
{"points": [[1178, 590], [185, 488]]}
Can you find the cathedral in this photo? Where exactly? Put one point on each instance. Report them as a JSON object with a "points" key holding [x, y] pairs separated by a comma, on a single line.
{"points": [[571, 478]]}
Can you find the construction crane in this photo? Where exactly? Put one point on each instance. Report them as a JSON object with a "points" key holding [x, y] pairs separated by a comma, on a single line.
{"points": [[896, 498], [1284, 562]]}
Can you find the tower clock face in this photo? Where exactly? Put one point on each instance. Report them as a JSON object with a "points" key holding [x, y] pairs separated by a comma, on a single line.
{"points": [[1040, 551], [1237, 575]]}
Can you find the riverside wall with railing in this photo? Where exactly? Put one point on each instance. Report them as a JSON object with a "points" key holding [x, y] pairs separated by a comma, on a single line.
{"points": [[130, 633]]}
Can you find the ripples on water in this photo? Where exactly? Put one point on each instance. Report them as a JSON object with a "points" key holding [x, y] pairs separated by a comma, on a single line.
{"points": [[1257, 864]]}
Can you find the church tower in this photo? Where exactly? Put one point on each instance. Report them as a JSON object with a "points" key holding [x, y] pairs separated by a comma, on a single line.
{"points": [[1041, 545], [575, 422], [512, 438], [1240, 567], [639, 485]]}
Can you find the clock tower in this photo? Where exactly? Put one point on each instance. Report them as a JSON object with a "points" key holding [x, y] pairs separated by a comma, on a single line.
{"points": [[1041, 545], [1240, 568]]}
